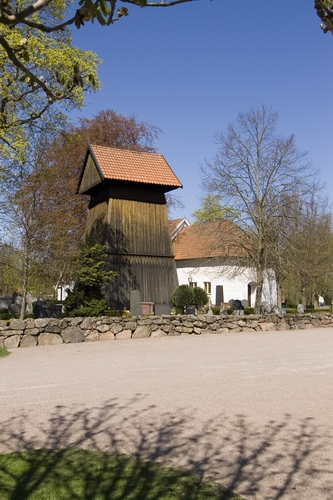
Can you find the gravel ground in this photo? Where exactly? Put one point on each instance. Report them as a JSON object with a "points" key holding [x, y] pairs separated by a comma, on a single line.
{"points": [[251, 410]]}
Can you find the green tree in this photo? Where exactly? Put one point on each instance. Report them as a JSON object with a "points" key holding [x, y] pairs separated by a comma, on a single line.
{"points": [[87, 298], [40, 67], [62, 212], [211, 210], [324, 10], [39, 71]]}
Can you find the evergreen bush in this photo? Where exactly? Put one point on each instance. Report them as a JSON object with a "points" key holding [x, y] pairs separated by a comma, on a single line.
{"points": [[183, 297], [87, 299]]}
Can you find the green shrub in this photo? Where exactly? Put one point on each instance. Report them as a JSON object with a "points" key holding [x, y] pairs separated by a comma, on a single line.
{"points": [[94, 308], [113, 314], [183, 297], [216, 310], [87, 299], [200, 297]]}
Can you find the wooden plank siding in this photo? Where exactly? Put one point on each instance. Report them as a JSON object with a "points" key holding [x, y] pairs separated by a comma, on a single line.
{"points": [[139, 249]]}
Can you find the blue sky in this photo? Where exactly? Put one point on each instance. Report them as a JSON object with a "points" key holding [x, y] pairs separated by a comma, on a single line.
{"points": [[190, 69]]}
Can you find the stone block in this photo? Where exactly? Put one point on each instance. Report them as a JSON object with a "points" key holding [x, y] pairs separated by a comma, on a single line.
{"points": [[76, 321], [28, 341], [187, 330], [9, 333], [91, 336], [173, 333], [72, 335], [30, 324], [41, 322], [52, 329], [87, 324], [116, 328], [12, 342], [166, 328], [142, 331], [106, 336], [267, 327], [103, 328], [159, 333], [130, 325], [222, 330], [16, 324], [147, 321], [49, 339], [124, 335]]}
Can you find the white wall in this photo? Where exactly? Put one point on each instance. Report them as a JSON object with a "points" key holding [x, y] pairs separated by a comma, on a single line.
{"points": [[235, 285]]}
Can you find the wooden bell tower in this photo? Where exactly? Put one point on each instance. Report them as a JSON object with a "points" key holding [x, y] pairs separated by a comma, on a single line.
{"points": [[127, 214]]}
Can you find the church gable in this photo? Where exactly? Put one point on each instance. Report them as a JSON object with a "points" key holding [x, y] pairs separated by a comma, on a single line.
{"points": [[91, 176]]}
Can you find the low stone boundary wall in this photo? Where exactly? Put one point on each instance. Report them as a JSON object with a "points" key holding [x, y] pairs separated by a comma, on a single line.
{"points": [[49, 331]]}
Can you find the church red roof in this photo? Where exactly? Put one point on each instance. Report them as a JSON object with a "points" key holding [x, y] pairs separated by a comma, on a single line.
{"points": [[133, 166]]}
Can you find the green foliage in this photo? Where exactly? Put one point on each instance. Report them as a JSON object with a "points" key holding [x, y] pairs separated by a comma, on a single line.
{"points": [[94, 308], [183, 297], [211, 210], [85, 474], [200, 297], [4, 352], [39, 71], [86, 298]]}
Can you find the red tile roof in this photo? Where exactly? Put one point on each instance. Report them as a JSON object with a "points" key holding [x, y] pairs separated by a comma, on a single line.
{"points": [[134, 166], [207, 240]]}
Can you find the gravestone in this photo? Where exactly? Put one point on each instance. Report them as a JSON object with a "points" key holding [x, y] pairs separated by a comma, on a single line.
{"points": [[135, 303], [30, 300], [300, 308], [14, 308], [5, 301], [236, 305]]}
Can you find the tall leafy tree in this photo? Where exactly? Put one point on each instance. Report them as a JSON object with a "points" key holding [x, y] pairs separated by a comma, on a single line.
{"points": [[61, 214], [256, 172], [21, 204], [39, 64], [39, 71]]}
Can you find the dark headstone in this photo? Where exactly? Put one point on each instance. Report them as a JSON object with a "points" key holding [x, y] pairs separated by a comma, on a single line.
{"points": [[219, 298], [135, 303], [5, 301], [236, 305], [162, 309], [14, 308], [190, 310], [42, 310]]}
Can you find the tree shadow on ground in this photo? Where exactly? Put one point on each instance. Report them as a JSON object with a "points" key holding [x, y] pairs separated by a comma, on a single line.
{"points": [[284, 459]]}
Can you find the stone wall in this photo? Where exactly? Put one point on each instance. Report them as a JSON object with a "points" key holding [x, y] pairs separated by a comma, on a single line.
{"points": [[49, 331]]}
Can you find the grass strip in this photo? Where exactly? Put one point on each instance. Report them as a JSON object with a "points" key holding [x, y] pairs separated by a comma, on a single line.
{"points": [[4, 352], [82, 474]]}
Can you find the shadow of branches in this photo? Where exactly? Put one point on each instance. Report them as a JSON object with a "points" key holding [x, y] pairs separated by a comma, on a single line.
{"points": [[283, 459]]}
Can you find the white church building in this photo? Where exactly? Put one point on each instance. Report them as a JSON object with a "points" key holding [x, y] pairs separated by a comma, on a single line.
{"points": [[207, 255]]}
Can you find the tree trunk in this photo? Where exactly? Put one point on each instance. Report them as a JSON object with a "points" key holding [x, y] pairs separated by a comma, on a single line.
{"points": [[25, 283], [260, 282]]}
